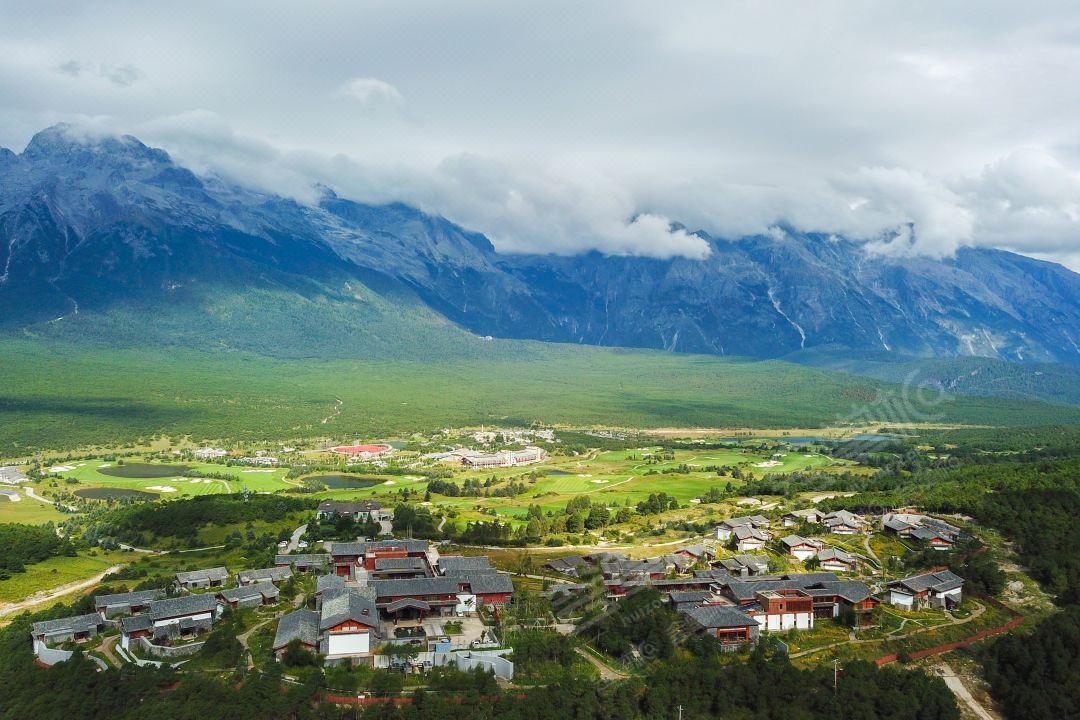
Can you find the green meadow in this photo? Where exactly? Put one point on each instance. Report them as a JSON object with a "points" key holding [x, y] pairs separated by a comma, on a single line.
{"points": [[162, 480], [56, 395], [615, 479]]}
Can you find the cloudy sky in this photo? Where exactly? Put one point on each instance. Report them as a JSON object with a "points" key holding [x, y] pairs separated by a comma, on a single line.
{"points": [[920, 127]]}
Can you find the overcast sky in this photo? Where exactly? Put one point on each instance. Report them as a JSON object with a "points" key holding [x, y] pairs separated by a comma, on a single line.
{"points": [[920, 127]]}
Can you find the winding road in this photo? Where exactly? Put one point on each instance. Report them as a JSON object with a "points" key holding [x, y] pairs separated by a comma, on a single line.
{"points": [[60, 591]]}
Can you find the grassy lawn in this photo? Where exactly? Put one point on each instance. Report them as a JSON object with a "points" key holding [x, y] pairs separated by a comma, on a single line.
{"points": [[166, 485], [115, 395], [30, 512], [58, 571]]}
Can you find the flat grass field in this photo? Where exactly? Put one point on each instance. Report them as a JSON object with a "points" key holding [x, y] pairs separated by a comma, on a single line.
{"points": [[29, 512], [113, 396], [162, 480], [58, 571]]}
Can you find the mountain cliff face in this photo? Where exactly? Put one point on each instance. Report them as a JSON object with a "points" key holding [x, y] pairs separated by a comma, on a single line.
{"points": [[87, 225]]}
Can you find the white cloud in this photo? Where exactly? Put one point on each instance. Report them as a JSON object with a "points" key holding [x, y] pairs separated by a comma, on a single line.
{"points": [[371, 92], [122, 75], [560, 130]]}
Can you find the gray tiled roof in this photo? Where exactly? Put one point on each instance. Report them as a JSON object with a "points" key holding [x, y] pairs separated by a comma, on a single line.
{"points": [[273, 574], [405, 563], [329, 582], [835, 554], [303, 559], [138, 597], [219, 574], [347, 604], [416, 587], [135, 623], [302, 625], [459, 565], [941, 581], [359, 548], [352, 508], [719, 616], [72, 624], [747, 532], [744, 520], [488, 583], [264, 589], [184, 605], [407, 603]]}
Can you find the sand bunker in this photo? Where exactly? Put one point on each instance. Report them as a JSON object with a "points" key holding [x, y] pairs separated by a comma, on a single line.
{"points": [[389, 482], [768, 464], [61, 468], [599, 482], [161, 488], [258, 470]]}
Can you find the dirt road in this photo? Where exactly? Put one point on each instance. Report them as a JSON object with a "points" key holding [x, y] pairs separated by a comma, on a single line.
{"points": [[962, 693], [60, 591]]}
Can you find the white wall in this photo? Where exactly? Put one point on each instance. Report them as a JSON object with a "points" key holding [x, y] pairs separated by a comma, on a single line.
{"points": [[901, 598], [788, 621], [802, 553], [349, 644], [465, 604], [173, 621]]}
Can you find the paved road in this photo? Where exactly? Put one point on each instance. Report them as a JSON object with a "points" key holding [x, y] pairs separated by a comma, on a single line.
{"points": [[30, 493], [962, 693], [57, 592], [295, 539]]}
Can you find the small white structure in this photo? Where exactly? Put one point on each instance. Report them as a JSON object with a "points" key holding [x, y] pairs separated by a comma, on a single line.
{"points": [[726, 529], [11, 475], [942, 589], [801, 548]]}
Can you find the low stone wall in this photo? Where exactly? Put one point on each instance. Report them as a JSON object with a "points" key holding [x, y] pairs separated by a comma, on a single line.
{"points": [[165, 651]]}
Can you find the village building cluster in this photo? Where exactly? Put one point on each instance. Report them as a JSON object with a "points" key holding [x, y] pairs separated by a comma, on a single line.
{"points": [[736, 598], [388, 591], [367, 594]]}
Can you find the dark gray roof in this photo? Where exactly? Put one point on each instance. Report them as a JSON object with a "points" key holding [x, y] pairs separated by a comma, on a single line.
{"points": [[743, 520], [830, 553], [746, 532], [302, 559], [184, 605], [138, 597], [216, 573], [686, 596], [487, 583], [302, 625], [941, 581], [405, 563], [275, 573], [416, 587], [347, 604], [72, 624], [924, 532], [719, 616], [566, 563], [329, 582], [744, 589], [360, 548], [134, 623], [264, 589], [407, 603], [460, 565], [337, 506]]}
